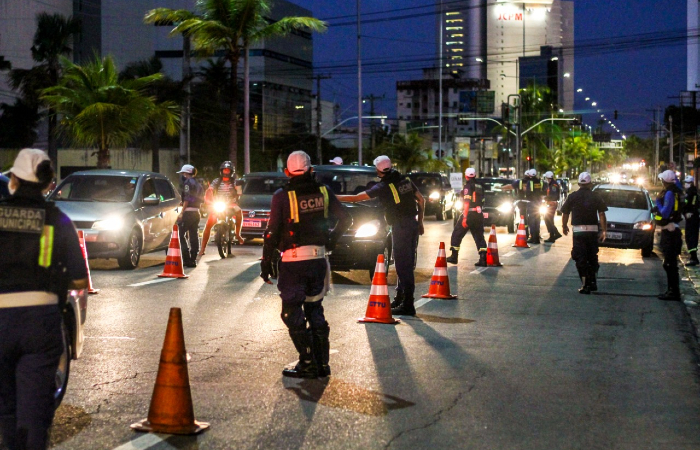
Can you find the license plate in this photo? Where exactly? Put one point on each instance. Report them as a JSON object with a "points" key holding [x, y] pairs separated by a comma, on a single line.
{"points": [[613, 235], [90, 237], [252, 223], [486, 215]]}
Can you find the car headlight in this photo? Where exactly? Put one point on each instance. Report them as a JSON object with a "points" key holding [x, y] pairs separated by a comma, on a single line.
{"points": [[505, 208], [368, 229], [459, 205], [543, 209], [434, 195], [615, 178], [643, 225], [109, 224], [219, 207]]}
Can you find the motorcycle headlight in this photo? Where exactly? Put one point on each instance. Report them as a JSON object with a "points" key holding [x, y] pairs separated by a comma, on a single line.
{"points": [[219, 207], [368, 229], [505, 208], [109, 224], [543, 209], [434, 195], [643, 225]]}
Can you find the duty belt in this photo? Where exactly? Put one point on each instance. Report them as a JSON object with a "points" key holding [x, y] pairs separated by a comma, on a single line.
{"points": [[304, 253], [190, 208], [22, 299], [585, 228], [669, 226]]}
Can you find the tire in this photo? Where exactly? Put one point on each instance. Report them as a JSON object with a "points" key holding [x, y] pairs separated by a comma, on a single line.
{"points": [[230, 242], [511, 225], [133, 252], [221, 239], [648, 250], [63, 371]]}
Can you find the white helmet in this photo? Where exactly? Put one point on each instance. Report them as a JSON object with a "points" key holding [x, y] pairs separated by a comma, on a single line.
{"points": [[531, 172], [584, 178], [668, 176], [549, 174], [470, 173], [690, 179]]}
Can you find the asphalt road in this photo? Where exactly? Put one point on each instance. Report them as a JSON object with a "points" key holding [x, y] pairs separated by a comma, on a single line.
{"points": [[520, 360]]}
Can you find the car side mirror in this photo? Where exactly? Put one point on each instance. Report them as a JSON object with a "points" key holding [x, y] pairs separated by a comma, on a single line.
{"points": [[151, 201], [240, 182]]}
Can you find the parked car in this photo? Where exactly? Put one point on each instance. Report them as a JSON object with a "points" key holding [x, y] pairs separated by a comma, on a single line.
{"points": [[255, 201], [122, 213], [369, 234], [74, 314], [630, 222], [438, 193], [499, 208]]}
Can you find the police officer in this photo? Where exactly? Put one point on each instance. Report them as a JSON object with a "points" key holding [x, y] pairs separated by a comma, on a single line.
{"points": [[472, 219], [692, 220], [404, 207], [306, 221], [552, 192], [668, 215], [529, 194], [40, 260], [587, 210], [188, 220]]}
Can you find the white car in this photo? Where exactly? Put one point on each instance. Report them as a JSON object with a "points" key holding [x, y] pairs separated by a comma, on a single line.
{"points": [[629, 217], [74, 313]]}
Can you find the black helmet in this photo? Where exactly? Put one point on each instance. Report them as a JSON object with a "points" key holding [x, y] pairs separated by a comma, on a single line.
{"points": [[227, 170]]}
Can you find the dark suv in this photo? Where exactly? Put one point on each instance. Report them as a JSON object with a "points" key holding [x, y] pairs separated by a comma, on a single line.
{"points": [[438, 193], [498, 206]]}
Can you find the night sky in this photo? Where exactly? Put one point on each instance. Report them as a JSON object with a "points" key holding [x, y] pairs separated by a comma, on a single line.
{"points": [[646, 67]]}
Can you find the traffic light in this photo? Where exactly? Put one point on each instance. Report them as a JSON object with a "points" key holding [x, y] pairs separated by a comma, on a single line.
{"points": [[615, 114], [528, 158]]}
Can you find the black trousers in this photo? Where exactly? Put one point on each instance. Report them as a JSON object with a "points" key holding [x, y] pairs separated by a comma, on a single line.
{"points": [[585, 252], [189, 236], [296, 282], [692, 227], [30, 349], [405, 245], [523, 210], [475, 224], [549, 221], [534, 219], [671, 244]]}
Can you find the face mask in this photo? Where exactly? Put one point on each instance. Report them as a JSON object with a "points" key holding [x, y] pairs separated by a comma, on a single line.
{"points": [[11, 189], [687, 185]]}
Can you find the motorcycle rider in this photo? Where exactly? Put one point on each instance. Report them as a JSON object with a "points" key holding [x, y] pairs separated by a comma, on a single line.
{"points": [[222, 189]]}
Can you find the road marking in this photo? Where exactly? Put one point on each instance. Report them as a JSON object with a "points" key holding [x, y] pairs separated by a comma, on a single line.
{"points": [[147, 441], [479, 270], [511, 253], [251, 263], [159, 280], [121, 338], [421, 302]]}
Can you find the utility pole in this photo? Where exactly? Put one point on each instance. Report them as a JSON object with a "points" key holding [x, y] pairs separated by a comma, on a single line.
{"points": [[318, 79], [185, 114], [359, 88], [670, 147], [371, 99]]}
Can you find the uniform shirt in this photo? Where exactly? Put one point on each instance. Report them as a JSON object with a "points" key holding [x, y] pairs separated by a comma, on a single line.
{"points": [[397, 194], [584, 206], [666, 204], [691, 200], [192, 193], [529, 189], [4, 191], [473, 195], [225, 190], [552, 191]]}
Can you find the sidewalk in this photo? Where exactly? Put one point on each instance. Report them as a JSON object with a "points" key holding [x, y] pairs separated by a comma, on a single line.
{"points": [[690, 288]]}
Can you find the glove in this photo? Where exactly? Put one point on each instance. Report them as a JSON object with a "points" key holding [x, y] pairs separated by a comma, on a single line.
{"points": [[266, 270]]}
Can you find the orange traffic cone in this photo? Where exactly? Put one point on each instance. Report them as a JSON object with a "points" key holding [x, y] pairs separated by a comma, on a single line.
{"points": [[440, 283], [379, 306], [83, 248], [173, 262], [171, 408], [492, 250], [521, 238]]}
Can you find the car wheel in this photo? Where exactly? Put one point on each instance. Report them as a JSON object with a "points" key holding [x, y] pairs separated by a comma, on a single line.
{"points": [[133, 252], [63, 370], [648, 250], [440, 215]]}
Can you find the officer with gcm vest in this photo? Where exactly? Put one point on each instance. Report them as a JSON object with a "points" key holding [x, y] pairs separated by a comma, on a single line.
{"points": [[668, 214], [306, 221], [39, 261], [692, 219], [529, 194], [552, 192], [472, 219], [404, 207], [188, 220]]}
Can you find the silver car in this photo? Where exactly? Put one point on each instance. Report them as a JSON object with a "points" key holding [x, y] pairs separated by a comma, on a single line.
{"points": [[74, 314], [122, 213]]}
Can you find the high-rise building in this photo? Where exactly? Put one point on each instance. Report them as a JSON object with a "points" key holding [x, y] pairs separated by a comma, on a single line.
{"points": [[693, 45], [490, 38]]}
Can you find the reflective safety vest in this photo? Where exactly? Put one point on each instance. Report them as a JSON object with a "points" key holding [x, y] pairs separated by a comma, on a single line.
{"points": [[676, 215], [400, 202], [307, 222]]}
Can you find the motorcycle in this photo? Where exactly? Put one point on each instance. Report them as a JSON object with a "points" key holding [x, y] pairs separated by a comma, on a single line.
{"points": [[225, 228]]}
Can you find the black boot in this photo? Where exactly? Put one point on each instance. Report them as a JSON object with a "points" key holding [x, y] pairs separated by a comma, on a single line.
{"points": [[452, 259], [592, 282], [674, 285], [693, 259], [321, 350], [306, 367], [585, 287], [406, 308], [398, 299], [482, 260]]}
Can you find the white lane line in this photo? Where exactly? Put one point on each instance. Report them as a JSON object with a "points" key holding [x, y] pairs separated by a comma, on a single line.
{"points": [[479, 270], [119, 338], [159, 280], [146, 441], [511, 253], [251, 263], [421, 302]]}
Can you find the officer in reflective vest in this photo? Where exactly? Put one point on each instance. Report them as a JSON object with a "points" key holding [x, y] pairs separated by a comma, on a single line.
{"points": [[692, 220], [529, 194], [552, 192], [587, 210], [404, 207], [472, 219], [40, 260], [188, 220], [306, 221], [667, 215]]}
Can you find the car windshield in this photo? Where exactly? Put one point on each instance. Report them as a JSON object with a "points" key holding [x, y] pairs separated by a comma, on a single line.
{"points": [[425, 183], [494, 186], [96, 188], [263, 186], [347, 182], [619, 198]]}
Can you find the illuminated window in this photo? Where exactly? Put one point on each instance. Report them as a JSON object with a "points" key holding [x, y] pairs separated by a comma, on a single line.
{"points": [[456, 35], [457, 50], [454, 20], [458, 65], [452, 13], [456, 42], [455, 57], [454, 28]]}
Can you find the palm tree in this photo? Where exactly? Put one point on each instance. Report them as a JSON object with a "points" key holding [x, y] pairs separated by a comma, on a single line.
{"points": [[52, 40], [100, 110], [231, 26]]}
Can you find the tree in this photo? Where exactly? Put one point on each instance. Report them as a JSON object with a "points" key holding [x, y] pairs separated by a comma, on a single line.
{"points": [[52, 39], [18, 124], [100, 110], [229, 26]]}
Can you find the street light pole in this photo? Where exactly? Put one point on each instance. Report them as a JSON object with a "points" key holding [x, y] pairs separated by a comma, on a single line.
{"points": [[670, 147], [359, 88]]}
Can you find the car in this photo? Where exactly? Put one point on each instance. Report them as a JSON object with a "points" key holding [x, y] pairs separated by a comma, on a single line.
{"points": [[630, 222], [369, 235], [123, 214], [438, 193], [255, 201], [74, 313], [499, 208]]}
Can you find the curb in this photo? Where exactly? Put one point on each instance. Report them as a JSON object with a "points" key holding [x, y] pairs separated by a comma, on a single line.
{"points": [[690, 288]]}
